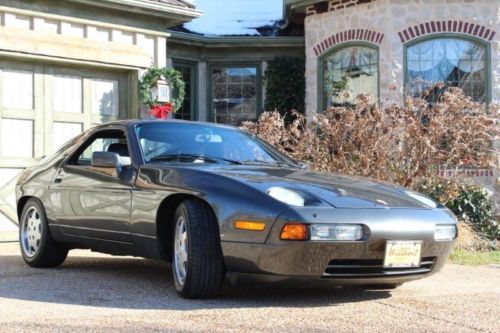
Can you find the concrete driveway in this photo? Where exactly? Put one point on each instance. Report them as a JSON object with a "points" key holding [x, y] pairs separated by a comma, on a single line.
{"points": [[94, 292]]}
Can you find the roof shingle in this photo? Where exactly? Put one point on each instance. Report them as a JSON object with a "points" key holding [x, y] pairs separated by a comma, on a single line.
{"points": [[178, 3]]}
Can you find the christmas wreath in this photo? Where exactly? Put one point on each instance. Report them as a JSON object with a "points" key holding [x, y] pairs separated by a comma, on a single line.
{"points": [[149, 81]]}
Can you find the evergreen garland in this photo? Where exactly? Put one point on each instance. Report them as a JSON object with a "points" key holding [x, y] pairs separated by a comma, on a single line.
{"points": [[174, 79]]}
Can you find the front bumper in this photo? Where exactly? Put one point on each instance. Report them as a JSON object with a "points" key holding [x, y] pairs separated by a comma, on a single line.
{"points": [[344, 263]]}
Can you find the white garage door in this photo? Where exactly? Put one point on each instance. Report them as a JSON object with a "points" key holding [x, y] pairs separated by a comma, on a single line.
{"points": [[42, 107]]}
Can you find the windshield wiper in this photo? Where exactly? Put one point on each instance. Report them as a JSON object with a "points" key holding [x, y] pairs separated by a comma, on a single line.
{"points": [[207, 158], [261, 162]]}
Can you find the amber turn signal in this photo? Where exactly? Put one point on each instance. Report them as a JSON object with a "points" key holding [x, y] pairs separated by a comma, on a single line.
{"points": [[247, 225], [294, 231]]}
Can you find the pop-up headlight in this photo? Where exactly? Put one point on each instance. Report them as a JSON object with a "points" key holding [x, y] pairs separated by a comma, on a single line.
{"points": [[288, 196]]}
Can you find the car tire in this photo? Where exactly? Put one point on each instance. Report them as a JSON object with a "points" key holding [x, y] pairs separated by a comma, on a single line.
{"points": [[197, 265], [38, 249]]}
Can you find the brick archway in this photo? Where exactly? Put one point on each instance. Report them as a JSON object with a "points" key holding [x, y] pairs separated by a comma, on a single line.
{"points": [[363, 35], [434, 27]]}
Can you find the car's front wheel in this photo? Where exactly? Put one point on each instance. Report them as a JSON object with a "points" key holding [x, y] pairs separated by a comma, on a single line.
{"points": [[37, 246], [198, 265]]}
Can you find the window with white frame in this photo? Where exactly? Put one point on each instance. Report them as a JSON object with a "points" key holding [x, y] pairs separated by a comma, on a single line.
{"points": [[348, 72], [434, 64]]}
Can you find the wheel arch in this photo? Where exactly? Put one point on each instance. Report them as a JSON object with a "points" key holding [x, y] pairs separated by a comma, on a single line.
{"points": [[21, 203], [165, 218]]}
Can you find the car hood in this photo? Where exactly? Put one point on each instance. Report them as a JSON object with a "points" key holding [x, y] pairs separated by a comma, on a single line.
{"points": [[337, 190]]}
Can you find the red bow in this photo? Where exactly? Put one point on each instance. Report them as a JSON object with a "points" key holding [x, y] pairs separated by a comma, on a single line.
{"points": [[161, 111]]}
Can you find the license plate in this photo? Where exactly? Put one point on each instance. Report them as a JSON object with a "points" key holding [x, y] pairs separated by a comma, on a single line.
{"points": [[402, 254]]}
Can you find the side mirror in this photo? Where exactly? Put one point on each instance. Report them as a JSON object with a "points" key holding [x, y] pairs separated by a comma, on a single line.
{"points": [[104, 159], [109, 163]]}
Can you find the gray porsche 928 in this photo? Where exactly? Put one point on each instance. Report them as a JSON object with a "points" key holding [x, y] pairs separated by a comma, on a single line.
{"points": [[214, 201]]}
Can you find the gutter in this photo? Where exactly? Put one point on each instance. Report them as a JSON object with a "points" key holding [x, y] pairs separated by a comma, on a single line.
{"points": [[239, 41]]}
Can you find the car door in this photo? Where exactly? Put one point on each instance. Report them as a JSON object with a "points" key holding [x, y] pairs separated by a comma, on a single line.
{"points": [[95, 202]]}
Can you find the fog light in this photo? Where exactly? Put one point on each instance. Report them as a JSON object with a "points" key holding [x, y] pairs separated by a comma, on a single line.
{"points": [[336, 232], [445, 232]]}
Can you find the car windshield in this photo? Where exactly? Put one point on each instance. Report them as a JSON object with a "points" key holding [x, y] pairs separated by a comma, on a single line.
{"points": [[203, 143]]}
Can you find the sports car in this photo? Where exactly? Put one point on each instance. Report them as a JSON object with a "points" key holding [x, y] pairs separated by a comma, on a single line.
{"points": [[217, 202]]}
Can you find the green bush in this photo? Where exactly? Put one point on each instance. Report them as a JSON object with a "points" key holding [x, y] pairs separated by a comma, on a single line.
{"points": [[285, 85], [469, 202]]}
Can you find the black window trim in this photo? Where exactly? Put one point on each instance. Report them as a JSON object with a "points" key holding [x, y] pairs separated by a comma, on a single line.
{"points": [[91, 137]]}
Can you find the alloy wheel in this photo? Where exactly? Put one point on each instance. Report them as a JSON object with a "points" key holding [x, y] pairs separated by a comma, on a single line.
{"points": [[31, 232], [181, 250]]}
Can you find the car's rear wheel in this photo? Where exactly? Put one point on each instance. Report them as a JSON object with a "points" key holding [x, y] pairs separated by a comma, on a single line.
{"points": [[198, 265], [37, 246]]}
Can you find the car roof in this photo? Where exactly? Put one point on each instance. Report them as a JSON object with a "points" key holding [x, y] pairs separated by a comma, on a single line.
{"points": [[133, 122]]}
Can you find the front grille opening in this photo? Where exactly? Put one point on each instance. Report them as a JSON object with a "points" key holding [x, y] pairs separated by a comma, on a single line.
{"points": [[345, 268]]}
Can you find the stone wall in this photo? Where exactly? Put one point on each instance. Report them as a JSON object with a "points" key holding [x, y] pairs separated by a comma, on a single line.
{"points": [[393, 23]]}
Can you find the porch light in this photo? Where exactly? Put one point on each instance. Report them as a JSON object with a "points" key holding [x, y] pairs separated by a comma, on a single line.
{"points": [[161, 91]]}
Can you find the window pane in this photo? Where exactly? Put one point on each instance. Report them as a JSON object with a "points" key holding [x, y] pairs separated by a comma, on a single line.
{"points": [[67, 93], [105, 97], [17, 89], [63, 132], [352, 69], [451, 61], [16, 138], [234, 95], [104, 144]]}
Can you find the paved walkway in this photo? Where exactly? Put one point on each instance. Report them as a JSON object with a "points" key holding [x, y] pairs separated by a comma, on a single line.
{"points": [[94, 292]]}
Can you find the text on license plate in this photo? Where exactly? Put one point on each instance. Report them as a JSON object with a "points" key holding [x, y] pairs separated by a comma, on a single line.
{"points": [[402, 253]]}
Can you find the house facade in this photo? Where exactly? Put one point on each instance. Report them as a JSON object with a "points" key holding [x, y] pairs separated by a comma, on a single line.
{"points": [[389, 48]]}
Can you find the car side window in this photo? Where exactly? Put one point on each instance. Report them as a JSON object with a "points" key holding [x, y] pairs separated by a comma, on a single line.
{"points": [[106, 141]]}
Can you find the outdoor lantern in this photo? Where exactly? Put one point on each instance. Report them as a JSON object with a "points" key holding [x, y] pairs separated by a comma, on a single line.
{"points": [[161, 91]]}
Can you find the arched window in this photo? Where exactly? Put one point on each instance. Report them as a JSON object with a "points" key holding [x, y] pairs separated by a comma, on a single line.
{"points": [[434, 64], [353, 68]]}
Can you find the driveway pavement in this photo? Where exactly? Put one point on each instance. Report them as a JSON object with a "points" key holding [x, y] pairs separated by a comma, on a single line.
{"points": [[94, 292]]}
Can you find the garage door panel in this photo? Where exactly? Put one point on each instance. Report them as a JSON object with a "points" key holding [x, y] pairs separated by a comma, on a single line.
{"points": [[17, 89], [105, 97], [63, 132], [67, 94], [44, 106], [16, 138]]}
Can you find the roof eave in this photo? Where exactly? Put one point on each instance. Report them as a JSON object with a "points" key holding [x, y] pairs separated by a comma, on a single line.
{"points": [[177, 13]]}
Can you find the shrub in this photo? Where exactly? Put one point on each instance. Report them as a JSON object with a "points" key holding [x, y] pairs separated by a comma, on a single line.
{"points": [[397, 144], [469, 202], [285, 85]]}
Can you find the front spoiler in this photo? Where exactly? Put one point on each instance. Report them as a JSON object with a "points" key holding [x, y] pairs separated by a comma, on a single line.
{"points": [[242, 279], [317, 260]]}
